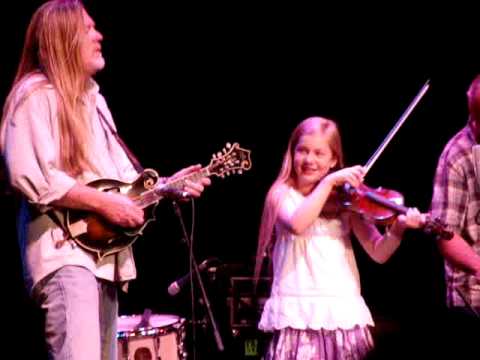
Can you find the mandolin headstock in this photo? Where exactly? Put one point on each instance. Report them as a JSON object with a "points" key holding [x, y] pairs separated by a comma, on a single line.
{"points": [[231, 160]]}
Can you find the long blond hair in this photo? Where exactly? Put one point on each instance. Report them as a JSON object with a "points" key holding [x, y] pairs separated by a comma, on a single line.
{"points": [[327, 128], [53, 47]]}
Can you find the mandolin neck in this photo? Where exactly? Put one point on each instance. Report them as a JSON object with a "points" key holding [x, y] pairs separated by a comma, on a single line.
{"points": [[162, 190], [179, 184]]}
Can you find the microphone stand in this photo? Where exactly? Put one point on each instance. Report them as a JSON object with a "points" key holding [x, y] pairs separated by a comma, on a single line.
{"points": [[196, 270]]}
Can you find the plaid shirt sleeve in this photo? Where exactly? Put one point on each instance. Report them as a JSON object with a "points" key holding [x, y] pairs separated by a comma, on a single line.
{"points": [[450, 194]]}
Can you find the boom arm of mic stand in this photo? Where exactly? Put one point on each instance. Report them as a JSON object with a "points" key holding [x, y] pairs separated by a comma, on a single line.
{"points": [[216, 333]]}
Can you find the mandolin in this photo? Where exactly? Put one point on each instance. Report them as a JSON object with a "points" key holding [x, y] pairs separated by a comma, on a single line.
{"points": [[97, 235]]}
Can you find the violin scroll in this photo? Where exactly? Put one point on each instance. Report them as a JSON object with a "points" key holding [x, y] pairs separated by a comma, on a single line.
{"points": [[438, 228]]}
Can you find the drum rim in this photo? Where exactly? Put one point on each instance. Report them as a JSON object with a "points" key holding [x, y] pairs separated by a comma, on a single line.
{"points": [[151, 330]]}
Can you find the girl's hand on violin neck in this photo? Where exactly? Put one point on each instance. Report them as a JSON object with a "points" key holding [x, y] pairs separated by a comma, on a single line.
{"points": [[412, 219], [352, 175]]}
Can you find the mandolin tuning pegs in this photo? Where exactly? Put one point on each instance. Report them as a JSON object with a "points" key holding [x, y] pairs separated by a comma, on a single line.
{"points": [[228, 145], [219, 154]]}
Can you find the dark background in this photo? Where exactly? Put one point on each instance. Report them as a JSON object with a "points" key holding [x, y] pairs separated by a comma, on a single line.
{"points": [[183, 80]]}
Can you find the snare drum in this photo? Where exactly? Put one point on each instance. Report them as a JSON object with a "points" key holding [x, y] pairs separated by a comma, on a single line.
{"points": [[162, 339]]}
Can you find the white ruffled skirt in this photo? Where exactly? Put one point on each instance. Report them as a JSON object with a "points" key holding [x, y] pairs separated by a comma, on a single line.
{"points": [[315, 312]]}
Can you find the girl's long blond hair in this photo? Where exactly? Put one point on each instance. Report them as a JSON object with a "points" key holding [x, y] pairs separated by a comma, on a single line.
{"points": [[53, 47], [327, 128]]}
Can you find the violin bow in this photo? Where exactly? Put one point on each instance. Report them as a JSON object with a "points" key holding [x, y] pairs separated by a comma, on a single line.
{"points": [[397, 126], [434, 226]]}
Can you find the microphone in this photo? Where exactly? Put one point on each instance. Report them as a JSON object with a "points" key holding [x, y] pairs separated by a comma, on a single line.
{"points": [[177, 285]]}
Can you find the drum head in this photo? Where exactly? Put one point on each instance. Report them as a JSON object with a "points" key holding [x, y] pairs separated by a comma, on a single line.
{"points": [[127, 323]]}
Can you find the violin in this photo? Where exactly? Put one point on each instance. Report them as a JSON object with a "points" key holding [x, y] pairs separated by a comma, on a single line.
{"points": [[379, 205], [382, 206]]}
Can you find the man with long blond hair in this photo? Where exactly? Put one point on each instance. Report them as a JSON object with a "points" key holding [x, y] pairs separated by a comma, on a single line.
{"points": [[56, 135]]}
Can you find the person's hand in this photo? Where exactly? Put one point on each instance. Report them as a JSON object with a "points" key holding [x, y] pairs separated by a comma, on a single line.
{"points": [[120, 210], [412, 219], [193, 188], [351, 175]]}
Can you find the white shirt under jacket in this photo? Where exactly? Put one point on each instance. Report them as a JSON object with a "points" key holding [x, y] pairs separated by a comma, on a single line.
{"points": [[315, 282], [31, 150]]}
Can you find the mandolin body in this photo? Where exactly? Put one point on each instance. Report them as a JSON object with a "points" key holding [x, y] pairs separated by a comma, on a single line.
{"points": [[93, 233]]}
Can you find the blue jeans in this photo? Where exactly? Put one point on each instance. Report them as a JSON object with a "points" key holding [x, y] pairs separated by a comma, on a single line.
{"points": [[80, 314]]}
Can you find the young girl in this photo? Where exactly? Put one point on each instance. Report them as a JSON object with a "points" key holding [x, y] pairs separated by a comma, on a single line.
{"points": [[316, 309]]}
